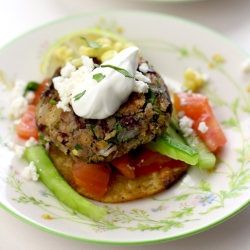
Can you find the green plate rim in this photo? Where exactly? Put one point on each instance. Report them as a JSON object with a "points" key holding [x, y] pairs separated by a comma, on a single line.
{"points": [[168, 17]]}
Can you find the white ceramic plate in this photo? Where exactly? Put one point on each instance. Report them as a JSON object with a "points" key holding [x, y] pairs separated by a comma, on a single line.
{"points": [[197, 202]]}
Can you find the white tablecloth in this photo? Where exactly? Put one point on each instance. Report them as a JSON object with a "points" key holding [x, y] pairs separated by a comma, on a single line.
{"points": [[229, 17]]}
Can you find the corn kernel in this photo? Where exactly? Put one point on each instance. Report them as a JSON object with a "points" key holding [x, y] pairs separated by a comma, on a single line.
{"points": [[193, 79], [102, 50], [211, 65], [101, 144], [104, 40], [248, 88], [47, 217], [77, 62], [110, 135], [190, 74], [120, 30], [75, 152], [190, 85], [87, 51], [63, 53], [218, 58], [118, 46], [108, 55]]}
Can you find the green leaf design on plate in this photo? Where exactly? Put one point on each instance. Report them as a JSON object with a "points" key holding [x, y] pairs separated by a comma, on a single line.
{"points": [[205, 186], [210, 210], [192, 204], [182, 197], [188, 211], [231, 123]]}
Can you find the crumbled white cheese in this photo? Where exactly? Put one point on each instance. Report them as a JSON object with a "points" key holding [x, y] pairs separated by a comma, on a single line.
{"points": [[30, 173], [184, 89], [18, 150], [205, 77], [185, 124], [31, 142], [203, 127], [64, 88], [183, 102], [143, 68], [140, 87], [16, 122], [30, 96], [88, 63], [245, 66], [19, 103], [67, 70], [18, 106], [140, 77], [181, 114], [18, 90], [69, 78]]}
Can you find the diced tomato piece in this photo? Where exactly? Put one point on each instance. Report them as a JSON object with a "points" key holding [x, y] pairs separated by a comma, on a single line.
{"points": [[195, 104], [125, 165], [93, 177], [27, 127], [40, 89], [148, 161], [196, 107], [214, 136]]}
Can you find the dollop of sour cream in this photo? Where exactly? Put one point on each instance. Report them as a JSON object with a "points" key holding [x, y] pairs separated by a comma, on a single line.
{"points": [[101, 91], [102, 99]]}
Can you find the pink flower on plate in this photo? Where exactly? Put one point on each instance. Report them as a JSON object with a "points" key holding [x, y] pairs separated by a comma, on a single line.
{"points": [[16, 172], [183, 205]]}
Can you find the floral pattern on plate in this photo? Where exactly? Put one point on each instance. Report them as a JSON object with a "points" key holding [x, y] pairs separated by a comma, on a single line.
{"points": [[200, 199]]}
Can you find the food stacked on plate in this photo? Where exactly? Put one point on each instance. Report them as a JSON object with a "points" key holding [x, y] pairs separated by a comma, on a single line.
{"points": [[115, 133]]}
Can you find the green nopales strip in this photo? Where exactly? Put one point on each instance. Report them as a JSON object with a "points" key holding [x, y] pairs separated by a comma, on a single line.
{"points": [[59, 187], [206, 158], [174, 149]]}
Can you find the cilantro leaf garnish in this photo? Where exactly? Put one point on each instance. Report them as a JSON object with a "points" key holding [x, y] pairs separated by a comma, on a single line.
{"points": [[80, 95], [53, 102], [93, 45], [77, 147], [42, 140], [120, 70], [151, 96], [98, 77], [31, 86]]}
